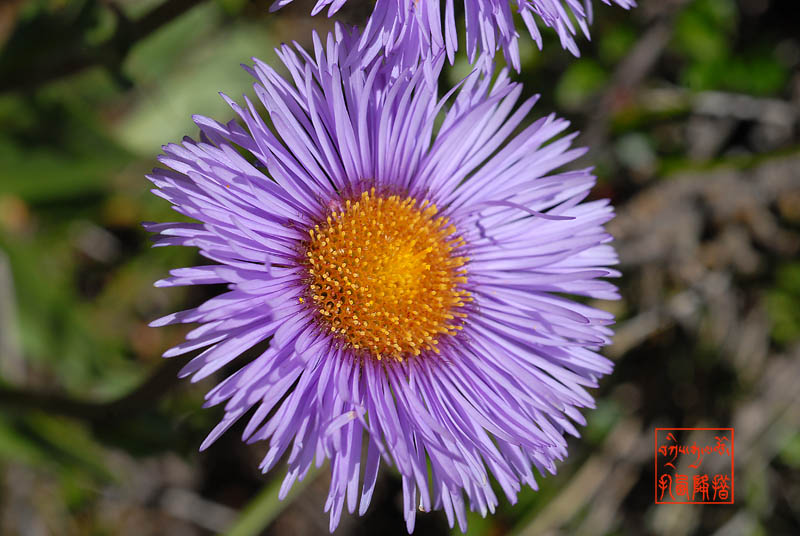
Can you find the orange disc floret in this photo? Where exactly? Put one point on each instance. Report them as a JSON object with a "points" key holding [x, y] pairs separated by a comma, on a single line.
{"points": [[384, 275]]}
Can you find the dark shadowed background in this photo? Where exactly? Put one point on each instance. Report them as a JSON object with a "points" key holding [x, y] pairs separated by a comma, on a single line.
{"points": [[692, 112]]}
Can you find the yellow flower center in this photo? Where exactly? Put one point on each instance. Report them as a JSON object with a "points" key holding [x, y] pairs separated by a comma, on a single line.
{"points": [[385, 277]]}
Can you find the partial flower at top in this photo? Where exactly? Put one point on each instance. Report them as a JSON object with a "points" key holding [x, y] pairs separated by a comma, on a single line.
{"points": [[414, 27], [411, 279]]}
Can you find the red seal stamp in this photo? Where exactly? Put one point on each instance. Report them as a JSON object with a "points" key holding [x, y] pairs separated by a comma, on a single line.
{"points": [[694, 465]]}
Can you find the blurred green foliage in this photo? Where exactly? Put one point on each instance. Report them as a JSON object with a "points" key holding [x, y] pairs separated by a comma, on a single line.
{"points": [[704, 32], [83, 112], [782, 302]]}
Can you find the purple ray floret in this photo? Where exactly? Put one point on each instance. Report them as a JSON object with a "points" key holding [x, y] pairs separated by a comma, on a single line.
{"points": [[414, 27], [492, 365]]}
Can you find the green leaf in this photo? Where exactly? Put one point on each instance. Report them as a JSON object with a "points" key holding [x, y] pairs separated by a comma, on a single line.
{"points": [[616, 42], [232, 7], [703, 29], [790, 451], [580, 81], [18, 447], [72, 444], [174, 86], [782, 304]]}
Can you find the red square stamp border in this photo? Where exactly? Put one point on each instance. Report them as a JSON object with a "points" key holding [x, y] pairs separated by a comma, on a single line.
{"points": [[655, 467]]}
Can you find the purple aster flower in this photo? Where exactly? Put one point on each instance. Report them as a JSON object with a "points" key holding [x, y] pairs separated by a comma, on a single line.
{"points": [[414, 27], [410, 278]]}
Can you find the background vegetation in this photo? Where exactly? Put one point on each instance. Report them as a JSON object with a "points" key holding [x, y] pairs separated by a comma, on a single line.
{"points": [[691, 110]]}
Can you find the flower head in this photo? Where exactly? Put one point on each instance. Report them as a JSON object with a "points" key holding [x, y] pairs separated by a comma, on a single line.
{"points": [[410, 278], [411, 28]]}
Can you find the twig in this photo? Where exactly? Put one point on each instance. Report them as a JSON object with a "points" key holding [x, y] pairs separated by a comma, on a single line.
{"points": [[641, 59], [190, 506]]}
